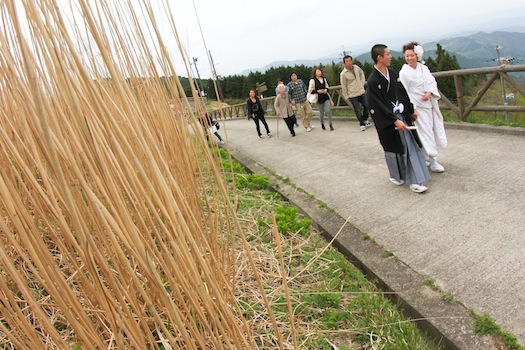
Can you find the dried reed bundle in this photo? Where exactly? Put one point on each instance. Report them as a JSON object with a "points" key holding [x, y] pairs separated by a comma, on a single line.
{"points": [[116, 226]]}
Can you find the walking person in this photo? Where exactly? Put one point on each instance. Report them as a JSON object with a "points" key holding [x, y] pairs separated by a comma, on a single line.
{"points": [[393, 114], [283, 109], [298, 91], [210, 127], [424, 95], [280, 82], [318, 85], [257, 112], [353, 90]]}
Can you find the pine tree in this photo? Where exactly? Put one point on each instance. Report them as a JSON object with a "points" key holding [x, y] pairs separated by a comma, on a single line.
{"points": [[444, 61]]}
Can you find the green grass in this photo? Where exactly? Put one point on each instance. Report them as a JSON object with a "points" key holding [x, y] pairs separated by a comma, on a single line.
{"points": [[492, 97], [485, 325], [447, 297], [489, 118], [430, 282], [387, 254], [332, 300], [253, 181]]}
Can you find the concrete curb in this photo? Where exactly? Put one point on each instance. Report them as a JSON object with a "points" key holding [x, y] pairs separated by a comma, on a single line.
{"points": [[506, 130], [448, 323]]}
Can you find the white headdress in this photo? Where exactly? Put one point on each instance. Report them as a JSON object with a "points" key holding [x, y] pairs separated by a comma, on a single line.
{"points": [[418, 50]]}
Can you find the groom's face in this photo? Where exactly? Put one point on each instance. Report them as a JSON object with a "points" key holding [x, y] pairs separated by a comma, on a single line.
{"points": [[386, 59]]}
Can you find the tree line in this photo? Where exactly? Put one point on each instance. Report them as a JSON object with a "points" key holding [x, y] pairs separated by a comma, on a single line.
{"points": [[237, 86]]}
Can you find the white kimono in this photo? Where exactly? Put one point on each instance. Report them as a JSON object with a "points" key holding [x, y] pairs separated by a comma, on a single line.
{"points": [[430, 124]]}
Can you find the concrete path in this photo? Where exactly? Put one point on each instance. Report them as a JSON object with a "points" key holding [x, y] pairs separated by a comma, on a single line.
{"points": [[467, 231]]}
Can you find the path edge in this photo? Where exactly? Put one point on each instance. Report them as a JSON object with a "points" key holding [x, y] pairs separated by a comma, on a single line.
{"points": [[450, 324], [483, 128]]}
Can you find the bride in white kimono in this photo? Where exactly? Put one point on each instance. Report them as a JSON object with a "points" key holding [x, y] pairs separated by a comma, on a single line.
{"points": [[424, 95]]}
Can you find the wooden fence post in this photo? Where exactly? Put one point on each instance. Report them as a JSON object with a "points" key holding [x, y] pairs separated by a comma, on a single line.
{"points": [[459, 95]]}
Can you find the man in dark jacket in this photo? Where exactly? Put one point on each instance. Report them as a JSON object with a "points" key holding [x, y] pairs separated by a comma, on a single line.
{"points": [[393, 116]]}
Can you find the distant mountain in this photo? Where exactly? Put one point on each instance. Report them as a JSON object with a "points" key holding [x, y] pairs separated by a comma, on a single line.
{"points": [[308, 63], [365, 57], [472, 51], [478, 50]]}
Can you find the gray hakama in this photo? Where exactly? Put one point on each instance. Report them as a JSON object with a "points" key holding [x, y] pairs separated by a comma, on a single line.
{"points": [[409, 166]]}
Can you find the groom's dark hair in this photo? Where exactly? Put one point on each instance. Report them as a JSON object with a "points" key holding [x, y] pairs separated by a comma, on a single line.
{"points": [[377, 50]]}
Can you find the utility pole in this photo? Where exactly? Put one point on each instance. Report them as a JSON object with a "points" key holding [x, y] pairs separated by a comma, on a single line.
{"points": [[216, 77], [345, 52], [199, 83], [505, 103]]}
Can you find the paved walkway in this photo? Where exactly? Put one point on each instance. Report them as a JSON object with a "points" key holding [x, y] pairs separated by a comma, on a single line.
{"points": [[467, 231]]}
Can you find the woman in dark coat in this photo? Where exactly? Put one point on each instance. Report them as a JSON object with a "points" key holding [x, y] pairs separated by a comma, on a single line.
{"points": [[257, 112]]}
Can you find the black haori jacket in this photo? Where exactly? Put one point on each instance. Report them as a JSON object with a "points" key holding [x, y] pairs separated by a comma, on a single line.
{"points": [[381, 97]]}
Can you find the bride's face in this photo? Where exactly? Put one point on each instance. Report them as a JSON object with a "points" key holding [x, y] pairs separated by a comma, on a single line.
{"points": [[411, 58]]}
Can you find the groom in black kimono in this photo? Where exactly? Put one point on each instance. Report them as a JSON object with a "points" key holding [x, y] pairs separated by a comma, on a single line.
{"points": [[393, 116]]}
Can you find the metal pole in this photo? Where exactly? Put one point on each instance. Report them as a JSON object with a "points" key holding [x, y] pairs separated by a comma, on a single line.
{"points": [[221, 97], [505, 103], [199, 83]]}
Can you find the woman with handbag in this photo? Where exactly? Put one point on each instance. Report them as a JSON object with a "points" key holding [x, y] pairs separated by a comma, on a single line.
{"points": [[318, 86], [257, 112], [283, 108]]}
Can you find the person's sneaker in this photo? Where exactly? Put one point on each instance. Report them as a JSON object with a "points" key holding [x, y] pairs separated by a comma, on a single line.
{"points": [[436, 167], [367, 123], [270, 135], [418, 188], [427, 162], [308, 129], [363, 128], [395, 182], [261, 137], [293, 133], [322, 126], [222, 142], [331, 127], [312, 126]]}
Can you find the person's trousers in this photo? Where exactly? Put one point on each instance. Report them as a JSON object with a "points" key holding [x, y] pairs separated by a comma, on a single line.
{"points": [[290, 122], [305, 112], [355, 101], [216, 133], [256, 119], [325, 107]]}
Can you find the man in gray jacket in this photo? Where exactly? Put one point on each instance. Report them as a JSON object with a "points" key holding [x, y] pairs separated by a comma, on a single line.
{"points": [[353, 90]]}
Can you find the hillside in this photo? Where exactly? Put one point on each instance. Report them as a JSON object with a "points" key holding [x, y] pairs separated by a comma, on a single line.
{"points": [[475, 50]]}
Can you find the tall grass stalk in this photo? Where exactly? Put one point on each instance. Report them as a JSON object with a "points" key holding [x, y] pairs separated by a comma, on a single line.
{"points": [[112, 234]]}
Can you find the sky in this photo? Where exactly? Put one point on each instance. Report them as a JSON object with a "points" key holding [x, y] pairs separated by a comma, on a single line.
{"points": [[247, 34]]}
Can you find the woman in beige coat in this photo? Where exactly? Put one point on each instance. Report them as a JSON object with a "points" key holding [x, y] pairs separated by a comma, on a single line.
{"points": [[283, 108]]}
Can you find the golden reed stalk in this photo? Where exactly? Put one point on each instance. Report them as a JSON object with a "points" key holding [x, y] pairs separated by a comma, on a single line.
{"points": [[116, 226]]}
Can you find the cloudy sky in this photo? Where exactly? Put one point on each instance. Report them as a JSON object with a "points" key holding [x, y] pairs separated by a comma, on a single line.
{"points": [[248, 34]]}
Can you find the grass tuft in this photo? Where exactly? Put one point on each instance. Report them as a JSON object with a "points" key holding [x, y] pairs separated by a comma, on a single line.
{"points": [[485, 325]]}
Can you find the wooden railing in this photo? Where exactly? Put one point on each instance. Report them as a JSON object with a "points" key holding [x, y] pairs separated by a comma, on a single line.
{"points": [[463, 111], [459, 108]]}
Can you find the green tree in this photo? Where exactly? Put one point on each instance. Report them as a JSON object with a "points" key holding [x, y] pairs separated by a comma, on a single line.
{"points": [[444, 61]]}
